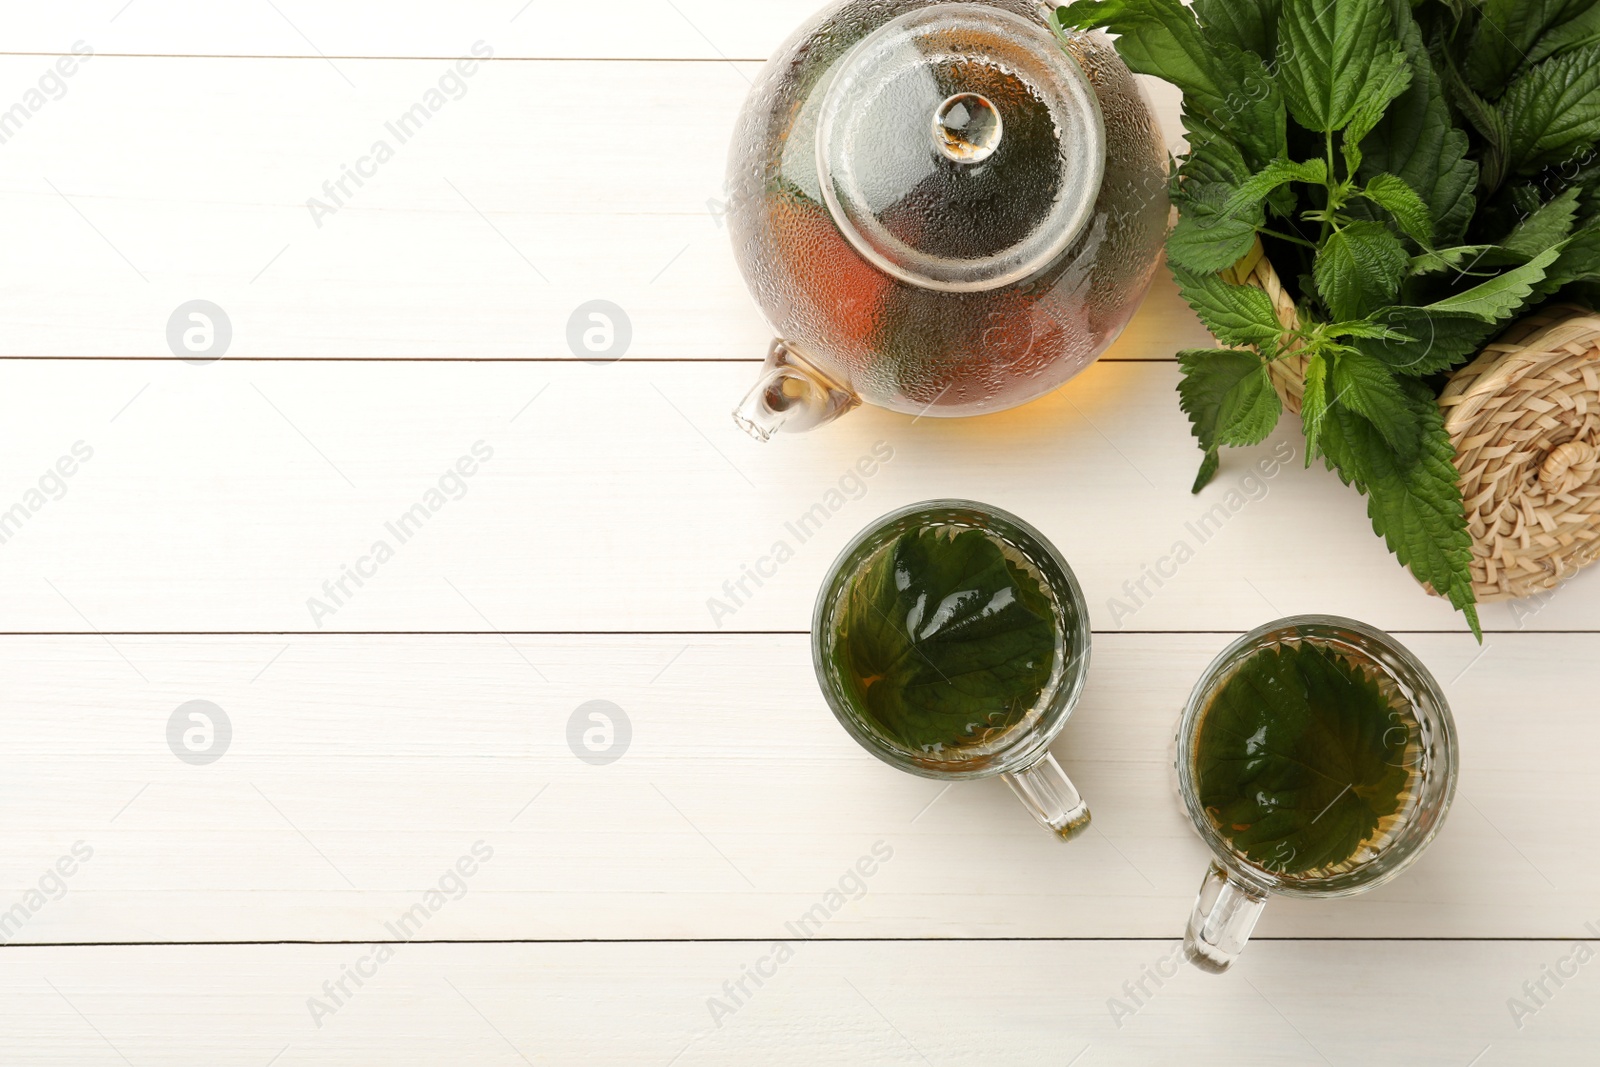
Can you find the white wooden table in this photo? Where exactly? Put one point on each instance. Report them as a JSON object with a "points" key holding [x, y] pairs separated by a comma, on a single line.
{"points": [[421, 721]]}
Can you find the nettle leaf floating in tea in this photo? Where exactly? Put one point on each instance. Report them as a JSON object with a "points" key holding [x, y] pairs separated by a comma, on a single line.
{"points": [[1300, 756], [944, 642]]}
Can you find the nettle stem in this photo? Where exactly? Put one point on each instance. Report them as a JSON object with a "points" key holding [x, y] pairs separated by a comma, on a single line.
{"points": [[1331, 186], [1288, 237]]}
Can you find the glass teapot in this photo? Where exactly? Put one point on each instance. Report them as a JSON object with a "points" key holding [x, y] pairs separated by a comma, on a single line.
{"points": [[943, 209]]}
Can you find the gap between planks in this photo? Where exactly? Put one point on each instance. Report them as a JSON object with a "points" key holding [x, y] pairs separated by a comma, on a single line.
{"points": [[1161, 940]]}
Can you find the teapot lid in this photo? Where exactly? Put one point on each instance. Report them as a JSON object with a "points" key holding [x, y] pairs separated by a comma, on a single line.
{"points": [[960, 147]]}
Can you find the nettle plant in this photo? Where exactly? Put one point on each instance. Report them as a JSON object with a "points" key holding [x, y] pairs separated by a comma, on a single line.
{"points": [[1419, 173]]}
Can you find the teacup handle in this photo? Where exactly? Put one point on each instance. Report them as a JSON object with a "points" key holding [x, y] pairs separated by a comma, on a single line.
{"points": [[1225, 913], [1047, 792]]}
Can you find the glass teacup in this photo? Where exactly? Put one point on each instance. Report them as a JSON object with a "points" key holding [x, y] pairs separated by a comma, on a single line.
{"points": [[952, 641], [1253, 805]]}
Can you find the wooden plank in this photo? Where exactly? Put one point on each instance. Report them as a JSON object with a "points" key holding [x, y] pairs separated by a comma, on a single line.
{"points": [[1015, 1003], [710, 31], [631, 29], [478, 239], [361, 769], [223, 498]]}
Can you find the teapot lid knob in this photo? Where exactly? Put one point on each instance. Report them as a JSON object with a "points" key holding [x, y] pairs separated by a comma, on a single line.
{"points": [[967, 128]]}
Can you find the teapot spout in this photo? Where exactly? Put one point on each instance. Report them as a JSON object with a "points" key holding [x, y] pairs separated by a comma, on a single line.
{"points": [[791, 396]]}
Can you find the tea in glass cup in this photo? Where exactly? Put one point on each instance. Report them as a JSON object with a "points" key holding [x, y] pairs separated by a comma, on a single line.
{"points": [[951, 640], [1316, 758]]}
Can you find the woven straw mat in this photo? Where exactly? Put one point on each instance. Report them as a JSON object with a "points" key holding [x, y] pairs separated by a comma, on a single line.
{"points": [[1525, 420]]}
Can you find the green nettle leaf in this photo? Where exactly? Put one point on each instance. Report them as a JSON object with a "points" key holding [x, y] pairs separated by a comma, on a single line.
{"points": [[1368, 387], [1278, 173], [1386, 79], [1498, 298], [1249, 411], [1415, 507], [1206, 239], [1248, 24], [1579, 262], [1546, 227], [1552, 112], [1362, 328], [1314, 403], [1525, 198], [1583, 28], [1429, 343], [1229, 399], [1297, 759], [943, 642], [1370, 113], [1410, 213], [1373, 108], [1417, 141], [1213, 156], [1228, 85], [1359, 269], [1487, 119], [1235, 314], [1336, 59], [1160, 37], [1514, 34], [1459, 258]]}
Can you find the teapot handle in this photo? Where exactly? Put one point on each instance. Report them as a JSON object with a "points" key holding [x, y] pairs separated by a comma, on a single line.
{"points": [[791, 396]]}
